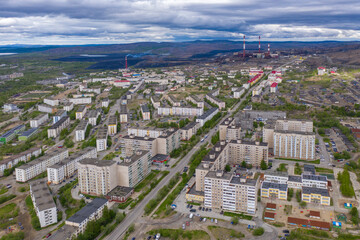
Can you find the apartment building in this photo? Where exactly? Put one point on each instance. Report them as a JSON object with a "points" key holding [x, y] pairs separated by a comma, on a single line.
{"points": [[105, 102], [194, 99], [82, 100], [215, 100], [56, 128], [145, 112], [238, 92], [189, 130], [101, 139], [297, 182], [11, 134], [314, 181], [295, 145], [208, 115], [31, 169], [46, 108], [230, 193], [43, 201], [112, 125], [180, 111], [315, 195], [173, 100], [233, 132], [97, 177], [51, 101], [134, 143], [123, 114], [39, 120], [80, 112], [155, 101], [134, 169], [215, 160], [168, 141], [91, 212], [68, 106], [276, 177], [294, 125], [67, 167], [80, 130], [224, 126], [151, 132], [58, 115], [268, 133], [92, 116], [12, 161], [249, 151], [274, 190]]}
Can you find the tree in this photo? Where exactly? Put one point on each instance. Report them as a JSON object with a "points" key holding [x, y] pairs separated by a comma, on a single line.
{"points": [[261, 124], [354, 215], [88, 129], [302, 204], [243, 164], [258, 231], [255, 124], [263, 165], [235, 220], [98, 120], [227, 168]]}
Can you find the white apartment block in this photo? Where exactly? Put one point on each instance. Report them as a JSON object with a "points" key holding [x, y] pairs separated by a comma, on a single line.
{"points": [[249, 151], [294, 125], [83, 100], [43, 201], [51, 101], [80, 130], [134, 169], [105, 103], [56, 128], [314, 181], [155, 101], [276, 178], [92, 116], [180, 111], [145, 112], [67, 167], [297, 182], [123, 114], [112, 125], [194, 99], [91, 212], [68, 106], [46, 108], [237, 93], [215, 100], [230, 193], [101, 139], [175, 102], [39, 120], [208, 115], [80, 112], [31, 169], [295, 145], [143, 132]]}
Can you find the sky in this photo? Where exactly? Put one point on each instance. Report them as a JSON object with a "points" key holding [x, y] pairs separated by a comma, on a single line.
{"points": [[77, 22]]}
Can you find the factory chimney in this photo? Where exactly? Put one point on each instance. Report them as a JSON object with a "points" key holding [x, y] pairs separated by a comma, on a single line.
{"points": [[125, 62], [259, 45], [269, 48], [244, 48]]}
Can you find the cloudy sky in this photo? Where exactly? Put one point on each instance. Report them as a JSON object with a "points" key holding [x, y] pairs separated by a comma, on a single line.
{"points": [[121, 21]]}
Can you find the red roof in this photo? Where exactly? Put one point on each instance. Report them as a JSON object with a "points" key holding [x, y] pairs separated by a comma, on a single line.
{"points": [[122, 81], [355, 130], [271, 205], [274, 84], [297, 221], [321, 68], [314, 213], [319, 224], [269, 215]]}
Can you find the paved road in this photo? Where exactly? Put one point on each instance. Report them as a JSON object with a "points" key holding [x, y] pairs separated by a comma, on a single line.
{"points": [[139, 209]]}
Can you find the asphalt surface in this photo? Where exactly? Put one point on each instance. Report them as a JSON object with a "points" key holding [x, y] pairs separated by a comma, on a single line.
{"points": [[138, 211]]}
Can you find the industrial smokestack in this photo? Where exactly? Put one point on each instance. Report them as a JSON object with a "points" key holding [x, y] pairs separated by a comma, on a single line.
{"points": [[244, 48], [125, 62], [269, 48], [259, 45]]}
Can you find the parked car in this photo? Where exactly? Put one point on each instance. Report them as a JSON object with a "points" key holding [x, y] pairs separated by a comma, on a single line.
{"points": [[192, 210], [183, 226], [286, 231]]}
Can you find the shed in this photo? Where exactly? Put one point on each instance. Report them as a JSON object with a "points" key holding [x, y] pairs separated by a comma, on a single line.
{"points": [[269, 216], [314, 214]]}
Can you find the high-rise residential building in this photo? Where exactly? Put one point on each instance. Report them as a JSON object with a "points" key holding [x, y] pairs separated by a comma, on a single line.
{"points": [[101, 139], [97, 177], [134, 143], [92, 116], [112, 125], [80, 112], [208, 115], [233, 132], [134, 169], [151, 132], [56, 128], [223, 127], [294, 125], [168, 141], [295, 145], [123, 114], [249, 151], [230, 193], [189, 130], [80, 130], [43, 201]]}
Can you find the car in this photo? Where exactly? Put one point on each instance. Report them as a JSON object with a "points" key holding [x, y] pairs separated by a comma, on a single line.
{"points": [[206, 136], [183, 226], [203, 209], [209, 209], [212, 220], [188, 206], [167, 165], [204, 220], [206, 209], [286, 231], [200, 208], [286, 235], [202, 140], [47, 236], [20, 223], [133, 238], [158, 236], [149, 237], [215, 220], [222, 212], [8, 186], [187, 223], [201, 219], [191, 206], [186, 169], [192, 210], [60, 146]]}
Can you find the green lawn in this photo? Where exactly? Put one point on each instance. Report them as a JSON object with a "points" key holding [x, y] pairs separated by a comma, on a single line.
{"points": [[298, 160], [8, 211], [3, 190], [175, 234], [239, 215], [324, 170], [146, 181]]}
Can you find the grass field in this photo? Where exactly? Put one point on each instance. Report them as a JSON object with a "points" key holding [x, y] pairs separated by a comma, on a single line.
{"points": [[225, 233], [7, 212], [175, 234], [34, 95]]}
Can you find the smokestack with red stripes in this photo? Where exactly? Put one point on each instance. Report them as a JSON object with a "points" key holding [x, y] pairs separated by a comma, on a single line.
{"points": [[244, 48], [125, 62], [259, 44], [269, 48]]}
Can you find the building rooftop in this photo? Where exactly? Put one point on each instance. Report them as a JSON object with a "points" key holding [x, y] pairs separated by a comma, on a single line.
{"points": [[207, 113], [193, 191], [11, 158], [72, 157], [40, 116], [65, 232], [311, 190], [41, 193], [139, 138], [280, 186], [97, 162], [123, 109], [227, 121], [219, 175], [87, 211], [81, 108], [29, 132], [243, 181], [294, 132], [314, 177], [168, 132], [13, 130], [112, 120], [120, 191], [134, 158], [59, 123], [144, 108], [309, 168], [60, 112], [294, 178], [92, 114], [82, 125], [159, 158], [246, 142], [215, 151], [102, 133], [190, 126]]}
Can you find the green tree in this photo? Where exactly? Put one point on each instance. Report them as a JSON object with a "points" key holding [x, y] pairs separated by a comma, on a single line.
{"points": [[227, 168], [302, 204], [261, 124], [263, 165], [243, 164], [98, 120], [255, 124]]}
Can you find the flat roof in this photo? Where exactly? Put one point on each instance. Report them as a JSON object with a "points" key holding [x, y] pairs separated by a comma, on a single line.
{"points": [[123, 109], [207, 113], [314, 177], [11, 158], [220, 146], [248, 181], [227, 121], [280, 186], [145, 108], [72, 157], [295, 178], [120, 191], [86, 211], [216, 174], [59, 123], [139, 138], [311, 190], [92, 114], [82, 125], [97, 162], [48, 155], [134, 158], [193, 191], [112, 120], [43, 198], [81, 108], [102, 133], [65, 232], [294, 132], [190, 125], [246, 142], [271, 205], [159, 157], [29, 132], [269, 215], [40, 116]]}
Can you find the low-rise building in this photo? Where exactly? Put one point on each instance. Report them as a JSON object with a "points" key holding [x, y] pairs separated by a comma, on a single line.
{"points": [[11, 134], [145, 131], [274, 190], [31, 169], [39, 120], [315, 195], [194, 99], [180, 111], [173, 100], [80, 112], [91, 212], [56, 128], [101, 139], [58, 115], [51, 101], [92, 116], [68, 106], [155, 101], [80, 130], [67, 167], [46, 108], [238, 92], [82, 100], [43, 201], [27, 134], [213, 99]]}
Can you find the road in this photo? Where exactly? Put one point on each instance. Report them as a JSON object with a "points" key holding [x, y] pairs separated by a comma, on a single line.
{"points": [[139, 209]]}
